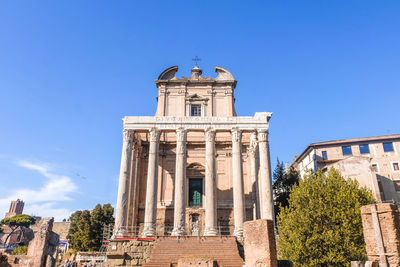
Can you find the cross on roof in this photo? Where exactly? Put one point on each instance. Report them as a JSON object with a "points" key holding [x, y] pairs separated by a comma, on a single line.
{"points": [[196, 60]]}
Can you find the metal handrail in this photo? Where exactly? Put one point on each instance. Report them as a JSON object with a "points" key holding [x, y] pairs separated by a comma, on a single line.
{"points": [[166, 230]]}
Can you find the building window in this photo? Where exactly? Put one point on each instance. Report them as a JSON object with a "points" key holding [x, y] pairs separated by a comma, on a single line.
{"points": [[364, 149], [395, 166], [346, 150], [374, 167], [195, 110], [324, 155], [195, 192], [388, 147]]}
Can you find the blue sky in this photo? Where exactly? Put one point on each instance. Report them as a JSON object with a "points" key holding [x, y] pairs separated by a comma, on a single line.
{"points": [[70, 70]]}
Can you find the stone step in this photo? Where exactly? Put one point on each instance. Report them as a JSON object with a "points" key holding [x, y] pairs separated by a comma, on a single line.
{"points": [[168, 250]]}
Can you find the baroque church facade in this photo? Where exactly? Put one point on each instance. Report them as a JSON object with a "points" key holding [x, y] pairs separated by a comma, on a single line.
{"points": [[195, 168]]}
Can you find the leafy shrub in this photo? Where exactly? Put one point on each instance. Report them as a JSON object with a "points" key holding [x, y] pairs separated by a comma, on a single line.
{"points": [[322, 224], [21, 250]]}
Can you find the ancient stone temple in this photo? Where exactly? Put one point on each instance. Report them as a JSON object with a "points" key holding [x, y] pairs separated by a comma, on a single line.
{"points": [[195, 168]]}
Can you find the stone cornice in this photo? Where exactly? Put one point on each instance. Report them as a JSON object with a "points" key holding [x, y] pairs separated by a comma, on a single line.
{"points": [[197, 82], [144, 123]]}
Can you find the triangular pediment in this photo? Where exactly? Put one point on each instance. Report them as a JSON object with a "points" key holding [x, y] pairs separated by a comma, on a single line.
{"points": [[196, 96]]}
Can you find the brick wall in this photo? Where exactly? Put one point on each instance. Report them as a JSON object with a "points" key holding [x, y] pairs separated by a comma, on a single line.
{"points": [[381, 232], [259, 243]]}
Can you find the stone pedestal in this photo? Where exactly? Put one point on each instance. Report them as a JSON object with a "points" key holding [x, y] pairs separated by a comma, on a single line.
{"points": [[260, 244], [381, 226]]}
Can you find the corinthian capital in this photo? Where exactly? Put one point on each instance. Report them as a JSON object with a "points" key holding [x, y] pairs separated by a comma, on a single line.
{"points": [[236, 134], [262, 135], [181, 134], [210, 135], [154, 135], [127, 135]]}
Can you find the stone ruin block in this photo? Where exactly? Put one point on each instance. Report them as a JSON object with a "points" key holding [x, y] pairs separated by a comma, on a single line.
{"points": [[260, 243], [381, 226]]}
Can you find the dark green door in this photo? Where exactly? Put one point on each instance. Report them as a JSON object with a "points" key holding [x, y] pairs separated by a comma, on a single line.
{"points": [[195, 192]]}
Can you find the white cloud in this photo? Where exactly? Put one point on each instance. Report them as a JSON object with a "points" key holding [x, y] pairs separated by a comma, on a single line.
{"points": [[43, 201], [49, 210]]}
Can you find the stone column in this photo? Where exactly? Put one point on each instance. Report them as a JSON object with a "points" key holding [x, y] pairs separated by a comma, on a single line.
{"points": [[151, 189], [238, 188], [180, 175], [122, 200], [267, 205], [133, 209], [253, 155], [211, 204]]}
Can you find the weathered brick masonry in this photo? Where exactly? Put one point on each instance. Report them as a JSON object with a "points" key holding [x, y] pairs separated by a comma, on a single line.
{"points": [[259, 243], [381, 232]]}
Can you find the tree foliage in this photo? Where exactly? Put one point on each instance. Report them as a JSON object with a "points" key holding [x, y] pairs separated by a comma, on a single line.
{"points": [[21, 250], [284, 180], [86, 229], [18, 221], [322, 224], [100, 216]]}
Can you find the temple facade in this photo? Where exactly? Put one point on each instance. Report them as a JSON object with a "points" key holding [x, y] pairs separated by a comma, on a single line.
{"points": [[195, 168]]}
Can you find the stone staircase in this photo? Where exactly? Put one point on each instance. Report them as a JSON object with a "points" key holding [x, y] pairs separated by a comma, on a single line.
{"points": [[167, 250]]}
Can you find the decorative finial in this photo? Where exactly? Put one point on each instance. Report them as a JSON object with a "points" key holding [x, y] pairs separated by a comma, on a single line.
{"points": [[196, 60]]}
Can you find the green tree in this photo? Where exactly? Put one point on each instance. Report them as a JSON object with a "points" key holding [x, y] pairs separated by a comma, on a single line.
{"points": [[16, 222], [100, 216], [284, 180], [86, 229], [322, 224]]}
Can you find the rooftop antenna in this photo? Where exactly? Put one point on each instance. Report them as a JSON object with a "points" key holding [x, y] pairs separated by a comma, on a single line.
{"points": [[196, 60]]}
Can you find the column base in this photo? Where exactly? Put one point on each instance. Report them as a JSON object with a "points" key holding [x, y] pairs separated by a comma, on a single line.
{"points": [[119, 232], [238, 233], [210, 232], [178, 231], [149, 232]]}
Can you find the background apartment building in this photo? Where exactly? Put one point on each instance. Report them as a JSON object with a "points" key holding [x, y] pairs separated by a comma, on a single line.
{"points": [[373, 161]]}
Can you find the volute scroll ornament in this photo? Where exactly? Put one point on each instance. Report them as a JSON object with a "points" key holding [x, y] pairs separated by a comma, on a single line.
{"points": [[210, 134], [127, 135], [181, 134], [236, 134], [154, 135], [262, 135]]}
